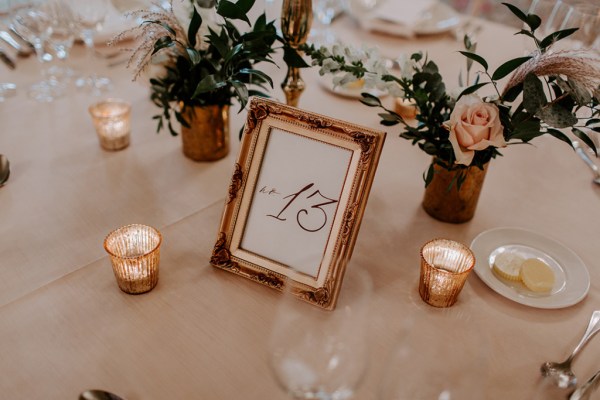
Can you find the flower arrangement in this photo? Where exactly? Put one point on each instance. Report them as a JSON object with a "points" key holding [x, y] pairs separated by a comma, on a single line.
{"points": [[194, 54], [548, 90]]}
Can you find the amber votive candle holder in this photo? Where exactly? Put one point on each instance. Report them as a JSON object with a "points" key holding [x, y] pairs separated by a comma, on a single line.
{"points": [[135, 254], [112, 120], [445, 265]]}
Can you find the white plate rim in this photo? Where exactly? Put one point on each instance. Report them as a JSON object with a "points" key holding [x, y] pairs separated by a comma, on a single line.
{"points": [[577, 283], [422, 27]]}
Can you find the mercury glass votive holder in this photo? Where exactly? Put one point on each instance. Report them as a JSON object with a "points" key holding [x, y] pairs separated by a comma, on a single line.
{"points": [[135, 254], [445, 265], [112, 120]]}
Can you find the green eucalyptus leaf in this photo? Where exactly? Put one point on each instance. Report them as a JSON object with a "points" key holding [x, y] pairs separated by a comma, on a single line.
{"points": [[512, 93], [428, 177], [242, 92], [556, 116], [526, 33], [292, 58], [389, 117], [533, 21], [370, 100], [472, 89], [246, 5], [527, 130], [193, 28], [209, 84], [581, 95], [475, 57], [179, 117], [262, 75], [592, 121], [509, 67], [534, 97], [515, 10], [194, 56], [556, 36], [163, 42], [559, 135], [585, 139], [230, 10]]}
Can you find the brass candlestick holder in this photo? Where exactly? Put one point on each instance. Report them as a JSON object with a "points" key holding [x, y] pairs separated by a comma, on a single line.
{"points": [[296, 19]]}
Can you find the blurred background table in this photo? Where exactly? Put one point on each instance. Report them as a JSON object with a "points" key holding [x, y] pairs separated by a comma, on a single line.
{"points": [[202, 333]]}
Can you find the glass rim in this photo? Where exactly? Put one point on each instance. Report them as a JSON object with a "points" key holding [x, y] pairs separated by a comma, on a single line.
{"points": [[123, 228], [125, 107], [444, 271]]}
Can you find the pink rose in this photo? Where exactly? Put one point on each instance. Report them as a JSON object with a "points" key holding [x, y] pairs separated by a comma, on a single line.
{"points": [[474, 125]]}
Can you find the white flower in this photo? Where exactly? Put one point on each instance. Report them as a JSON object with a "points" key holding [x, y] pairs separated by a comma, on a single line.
{"points": [[329, 66], [344, 79], [407, 66]]}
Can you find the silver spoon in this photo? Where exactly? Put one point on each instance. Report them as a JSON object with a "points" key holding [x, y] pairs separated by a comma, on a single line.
{"points": [[560, 373], [98, 395], [4, 169], [585, 391], [586, 159]]}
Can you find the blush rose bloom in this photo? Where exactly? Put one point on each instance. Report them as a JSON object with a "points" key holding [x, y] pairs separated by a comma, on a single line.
{"points": [[474, 125]]}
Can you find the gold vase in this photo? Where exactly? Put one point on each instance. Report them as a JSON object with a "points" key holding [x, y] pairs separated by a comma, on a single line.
{"points": [[450, 204], [296, 20], [207, 138]]}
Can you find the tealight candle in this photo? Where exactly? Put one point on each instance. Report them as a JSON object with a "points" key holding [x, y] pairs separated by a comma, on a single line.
{"points": [[445, 265], [111, 119], [135, 254]]}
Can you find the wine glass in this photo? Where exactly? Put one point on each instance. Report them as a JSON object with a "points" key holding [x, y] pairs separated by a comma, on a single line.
{"points": [[90, 16], [553, 14], [319, 354], [586, 17], [60, 40], [438, 356], [324, 11], [33, 24]]}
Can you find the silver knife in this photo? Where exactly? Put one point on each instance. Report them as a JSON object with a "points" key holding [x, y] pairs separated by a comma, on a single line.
{"points": [[7, 60], [21, 50]]}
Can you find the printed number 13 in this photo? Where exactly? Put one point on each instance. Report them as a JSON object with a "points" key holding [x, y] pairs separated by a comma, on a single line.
{"points": [[304, 211]]}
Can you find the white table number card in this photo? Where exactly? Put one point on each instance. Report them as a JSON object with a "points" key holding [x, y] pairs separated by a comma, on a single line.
{"points": [[296, 200]]}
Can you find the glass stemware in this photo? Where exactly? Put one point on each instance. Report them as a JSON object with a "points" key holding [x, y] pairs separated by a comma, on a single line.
{"points": [[438, 356], [60, 40], [586, 17], [553, 13], [319, 354], [33, 24], [324, 11], [90, 17]]}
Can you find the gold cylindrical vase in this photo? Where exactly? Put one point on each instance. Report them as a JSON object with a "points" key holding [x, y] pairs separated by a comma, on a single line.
{"points": [[446, 202], [207, 138]]}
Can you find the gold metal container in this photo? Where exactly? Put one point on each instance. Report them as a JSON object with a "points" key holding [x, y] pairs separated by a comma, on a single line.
{"points": [[445, 202], [207, 138], [296, 20]]}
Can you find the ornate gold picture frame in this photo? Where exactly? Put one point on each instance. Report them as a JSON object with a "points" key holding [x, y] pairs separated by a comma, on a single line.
{"points": [[296, 200]]}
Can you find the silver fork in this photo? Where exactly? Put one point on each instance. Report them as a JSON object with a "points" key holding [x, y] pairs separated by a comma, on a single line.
{"points": [[586, 159], [585, 391]]}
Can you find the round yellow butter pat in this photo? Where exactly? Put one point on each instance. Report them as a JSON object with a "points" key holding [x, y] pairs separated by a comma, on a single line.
{"points": [[358, 84], [537, 275], [508, 266]]}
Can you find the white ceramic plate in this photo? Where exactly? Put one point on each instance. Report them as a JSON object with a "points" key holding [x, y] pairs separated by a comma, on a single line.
{"points": [[435, 19], [572, 280]]}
